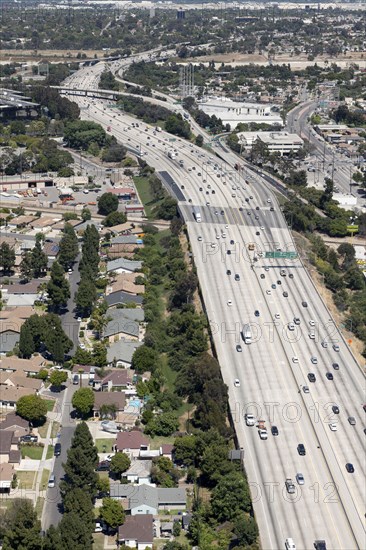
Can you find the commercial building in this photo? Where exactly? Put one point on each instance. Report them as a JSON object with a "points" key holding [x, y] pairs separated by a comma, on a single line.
{"points": [[280, 142], [233, 112]]}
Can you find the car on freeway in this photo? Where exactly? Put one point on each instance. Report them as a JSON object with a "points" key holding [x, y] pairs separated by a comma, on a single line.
{"points": [[301, 449], [336, 347], [335, 409], [231, 241], [285, 294], [335, 366], [306, 389], [312, 335], [350, 468], [333, 427], [295, 359], [289, 544], [237, 277], [257, 233], [320, 545], [291, 326], [199, 238], [239, 348], [271, 209], [291, 275], [237, 383], [297, 320], [312, 323], [273, 286], [290, 487], [329, 375], [262, 276], [269, 200], [300, 479], [324, 344], [314, 360], [249, 420], [277, 316], [256, 313], [229, 303], [304, 304], [311, 377], [274, 430], [228, 272], [352, 420]]}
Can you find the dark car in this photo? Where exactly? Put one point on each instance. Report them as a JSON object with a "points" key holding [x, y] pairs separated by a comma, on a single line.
{"points": [[201, 189], [237, 277], [304, 304], [329, 375], [349, 467], [231, 242], [274, 430], [256, 313], [241, 209], [57, 449], [335, 409], [320, 545], [29, 438], [285, 294], [228, 252], [262, 276], [301, 449], [257, 233], [239, 348], [291, 275], [271, 209], [103, 466], [335, 366], [311, 377], [257, 207], [228, 272]]}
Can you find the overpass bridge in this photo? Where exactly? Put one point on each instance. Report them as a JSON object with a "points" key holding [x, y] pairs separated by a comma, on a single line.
{"points": [[111, 95]]}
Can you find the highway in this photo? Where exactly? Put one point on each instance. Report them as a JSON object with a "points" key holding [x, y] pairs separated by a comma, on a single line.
{"points": [[330, 505]]}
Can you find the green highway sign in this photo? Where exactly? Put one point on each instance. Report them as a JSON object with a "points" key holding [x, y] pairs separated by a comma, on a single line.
{"points": [[352, 228], [284, 255]]}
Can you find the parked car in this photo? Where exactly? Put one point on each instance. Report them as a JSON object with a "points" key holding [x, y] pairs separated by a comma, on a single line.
{"points": [[57, 449], [29, 438], [103, 466]]}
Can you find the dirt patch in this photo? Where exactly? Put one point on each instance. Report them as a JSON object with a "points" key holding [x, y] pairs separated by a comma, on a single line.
{"points": [[60, 55]]}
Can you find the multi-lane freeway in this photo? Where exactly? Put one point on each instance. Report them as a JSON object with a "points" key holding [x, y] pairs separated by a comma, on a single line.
{"points": [[244, 287]]}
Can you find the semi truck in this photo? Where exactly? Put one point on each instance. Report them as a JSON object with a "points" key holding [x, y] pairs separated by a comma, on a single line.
{"points": [[247, 334]]}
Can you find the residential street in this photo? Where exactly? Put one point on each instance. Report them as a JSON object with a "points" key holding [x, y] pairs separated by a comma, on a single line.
{"points": [[68, 319]]}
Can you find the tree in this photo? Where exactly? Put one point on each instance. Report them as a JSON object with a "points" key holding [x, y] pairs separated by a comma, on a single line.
{"points": [[22, 526], [86, 214], [75, 533], [54, 338], [246, 530], [107, 203], [185, 450], [39, 261], [145, 359], [25, 267], [82, 459], [52, 539], [26, 342], [164, 424], [58, 287], [230, 496], [7, 258], [69, 247], [112, 512], [199, 140], [114, 218], [58, 377], [119, 464], [85, 297], [83, 401], [32, 408], [79, 500]]}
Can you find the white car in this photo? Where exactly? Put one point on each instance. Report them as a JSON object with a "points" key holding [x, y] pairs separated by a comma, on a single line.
{"points": [[86, 191], [333, 427], [79, 319], [237, 383], [295, 359], [229, 303], [291, 326], [277, 315], [268, 292], [312, 323], [269, 200], [82, 346], [324, 344], [312, 335], [263, 434], [199, 238], [305, 389], [300, 479]]}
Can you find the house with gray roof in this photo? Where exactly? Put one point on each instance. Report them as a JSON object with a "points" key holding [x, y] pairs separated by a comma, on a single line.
{"points": [[146, 499], [119, 354], [124, 323], [120, 297], [121, 265], [126, 239], [139, 472]]}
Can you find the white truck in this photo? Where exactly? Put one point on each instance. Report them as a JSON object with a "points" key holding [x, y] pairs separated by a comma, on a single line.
{"points": [[157, 129], [197, 215], [247, 334], [171, 154]]}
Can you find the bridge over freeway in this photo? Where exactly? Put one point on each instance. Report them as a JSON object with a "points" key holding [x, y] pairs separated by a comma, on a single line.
{"points": [[112, 95]]}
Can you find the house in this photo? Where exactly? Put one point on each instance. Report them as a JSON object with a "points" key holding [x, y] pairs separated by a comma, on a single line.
{"points": [[20, 380], [166, 450], [127, 228], [6, 476], [123, 298], [118, 250], [146, 499], [131, 443], [121, 265], [137, 532], [30, 367], [126, 282], [114, 401], [15, 423], [21, 294], [9, 450], [139, 472], [51, 249], [166, 529], [124, 323], [11, 321], [9, 396], [85, 372], [126, 239], [186, 520], [119, 354], [20, 222], [44, 223], [116, 379], [124, 193]]}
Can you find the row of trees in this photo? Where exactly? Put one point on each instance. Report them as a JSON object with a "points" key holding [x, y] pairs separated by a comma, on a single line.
{"points": [[44, 333], [89, 270]]}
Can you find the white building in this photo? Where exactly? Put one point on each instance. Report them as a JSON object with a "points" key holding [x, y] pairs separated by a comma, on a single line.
{"points": [[281, 142], [234, 112]]}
